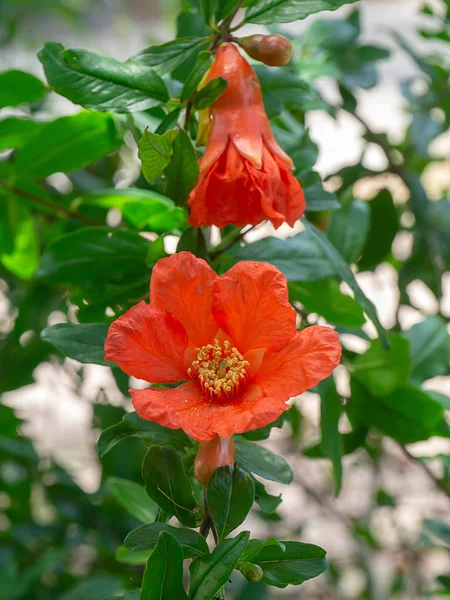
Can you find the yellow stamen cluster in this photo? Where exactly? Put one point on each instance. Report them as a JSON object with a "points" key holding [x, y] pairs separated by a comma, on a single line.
{"points": [[219, 369]]}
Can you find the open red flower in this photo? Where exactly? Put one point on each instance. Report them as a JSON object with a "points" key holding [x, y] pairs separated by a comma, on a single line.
{"points": [[231, 339], [245, 176]]}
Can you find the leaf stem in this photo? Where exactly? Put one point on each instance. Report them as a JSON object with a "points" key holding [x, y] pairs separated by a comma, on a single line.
{"points": [[220, 249], [438, 482]]}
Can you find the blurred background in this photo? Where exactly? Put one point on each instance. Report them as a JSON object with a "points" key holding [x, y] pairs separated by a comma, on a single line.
{"points": [[61, 525]]}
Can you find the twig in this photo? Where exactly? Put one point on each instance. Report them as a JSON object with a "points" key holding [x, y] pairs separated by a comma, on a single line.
{"points": [[219, 249], [438, 482], [51, 205]]}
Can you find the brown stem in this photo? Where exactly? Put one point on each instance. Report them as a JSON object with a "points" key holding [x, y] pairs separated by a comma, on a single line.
{"points": [[51, 205], [220, 249], [438, 482]]}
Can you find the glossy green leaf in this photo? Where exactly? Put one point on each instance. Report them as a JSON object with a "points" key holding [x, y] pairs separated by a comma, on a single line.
{"points": [[290, 563], [262, 433], [19, 242], [166, 57], [266, 502], [125, 556], [210, 93], [163, 576], [230, 494], [224, 8], [325, 298], [166, 483], [94, 253], [254, 547], [318, 199], [330, 413], [210, 573], [17, 87], [155, 152], [99, 82], [203, 62], [381, 371], [15, 132], [348, 230], [284, 11], [151, 433], [261, 461], [133, 498], [429, 343], [383, 229], [182, 172], [146, 537], [84, 342], [68, 143]]}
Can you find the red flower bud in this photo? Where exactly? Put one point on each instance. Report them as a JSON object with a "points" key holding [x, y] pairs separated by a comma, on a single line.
{"points": [[219, 452], [273, 50]]}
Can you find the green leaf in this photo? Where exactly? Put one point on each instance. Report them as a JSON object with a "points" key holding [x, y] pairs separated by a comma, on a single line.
{"points": [[262, 433], [94, 254], [429, 344], [254, 547], [266, 502], [167, 57], [348, 230], [230, 494], [125, 556], [146, 537], [15, 132], [330, 413], [210, 93], [163, 576], [17, 87], [133, 498], [224, 8], [210, 573], [166, 483], [299, 257], [318, 199], [439, 529], [19, 243], [143, 209], [331, 34], [182, 172], [408, 414], [203, 62], [68, 143], [84, 342], [193, 241], [155, 152], [381, 371], [261, 461], [383, 229], [344, 271], [151, 433], [325, 298], [267, 12], [99, 82], [290, 563]]}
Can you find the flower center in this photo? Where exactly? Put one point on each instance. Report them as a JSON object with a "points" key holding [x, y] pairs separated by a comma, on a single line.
{"points": [[220, 370]]}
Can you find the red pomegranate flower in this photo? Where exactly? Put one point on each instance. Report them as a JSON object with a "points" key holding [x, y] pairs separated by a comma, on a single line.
{"points": [[231, 339], [245, 176]]}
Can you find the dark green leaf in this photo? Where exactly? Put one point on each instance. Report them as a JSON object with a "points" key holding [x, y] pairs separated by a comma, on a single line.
{"points": [[230, 495], [348, 230], [146, 538], [163, 576], [68, 143], [330, 413], [290, 563], [84, 342], [262, 433], [17, 87], [224, 8], [15, 132], [210, 573], [133, 498], [439, 529], [19, 243], [209, 94], [284, 11], [155, 152], [167, 57], [429, 344], [254, 547], [193, 241], [151, 433], [99, 82], [383, 229], [266, 502], [318, 199], [182, 172], [381, 371], [261, 461], [166, 483], [203, 62]]}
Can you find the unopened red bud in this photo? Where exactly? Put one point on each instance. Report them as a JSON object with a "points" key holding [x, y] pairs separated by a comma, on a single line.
{"points": [[251, 571], [273, 50], [219, 452]]}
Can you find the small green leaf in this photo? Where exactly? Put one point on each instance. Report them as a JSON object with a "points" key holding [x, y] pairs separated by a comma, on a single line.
{"points": [[166, 483], [210, 93], [145, 538], [84, 342], [163, 576], [19, 242], [203, 62], [125, 556], [267, 12], [155, 152], [318, 199], [330, 413], [429, 343], [17, 87], [439, 529], [266, 502], [384, 225], [167, 57], [133, 498], [348, 230], [261, 461], [151, 433], [381, 371], [230, 494], [210, 573], [15, 132], [182, 172]]}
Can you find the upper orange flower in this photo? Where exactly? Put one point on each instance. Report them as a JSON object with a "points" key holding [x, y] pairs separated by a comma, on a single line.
{"points": [[232, 339], [244, 174]]}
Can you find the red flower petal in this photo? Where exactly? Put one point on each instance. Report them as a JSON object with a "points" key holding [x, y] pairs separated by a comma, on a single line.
{"points": [[148, 343], [311, 356], [182, 284], [250, 303]]}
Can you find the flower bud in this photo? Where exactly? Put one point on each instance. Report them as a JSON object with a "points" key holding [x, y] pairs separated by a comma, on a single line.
{"points": [[273, 50], [251, 571], [219, 452]]}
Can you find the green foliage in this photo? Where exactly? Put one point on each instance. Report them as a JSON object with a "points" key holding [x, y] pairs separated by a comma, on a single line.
{"points": [[146, 537], [163, 576], [17, 87]]}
